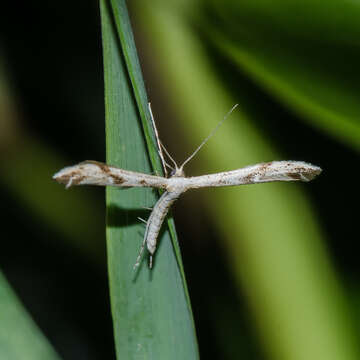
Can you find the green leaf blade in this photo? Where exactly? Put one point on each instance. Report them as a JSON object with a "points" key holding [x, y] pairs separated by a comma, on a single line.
{"points": [[20, 338], [151, 309]]}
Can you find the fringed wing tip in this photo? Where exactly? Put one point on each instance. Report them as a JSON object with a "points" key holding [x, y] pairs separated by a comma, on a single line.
{"points": [[67, 176], [305, 172]]}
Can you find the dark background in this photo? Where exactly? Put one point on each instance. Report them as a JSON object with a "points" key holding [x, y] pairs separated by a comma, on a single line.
{"points": [[53, 70]]}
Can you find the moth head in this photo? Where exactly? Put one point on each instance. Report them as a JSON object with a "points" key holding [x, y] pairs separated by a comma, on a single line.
{"points": [[177, 172]]}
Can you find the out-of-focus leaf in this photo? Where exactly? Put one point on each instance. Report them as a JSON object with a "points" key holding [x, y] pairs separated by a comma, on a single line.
{"points": [[27, 173], [270, 233], [27, 166], [151, 309], [20, 338], [306, 53]]}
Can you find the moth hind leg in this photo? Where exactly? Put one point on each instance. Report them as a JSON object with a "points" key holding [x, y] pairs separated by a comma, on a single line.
{"points": [[138, 259]]}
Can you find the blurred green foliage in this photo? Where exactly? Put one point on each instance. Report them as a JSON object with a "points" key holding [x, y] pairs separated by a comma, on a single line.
{"points": [[303, 52], [20, 338], [292, 66]]}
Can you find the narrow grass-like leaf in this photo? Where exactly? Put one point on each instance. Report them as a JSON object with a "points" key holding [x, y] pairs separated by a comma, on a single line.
{"points": [[20, 338], [131, 60], [127, 42], [151, 310]]}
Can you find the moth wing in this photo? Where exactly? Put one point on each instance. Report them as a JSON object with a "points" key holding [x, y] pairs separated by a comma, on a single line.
{"points": [[97, 173], [259, 173]]}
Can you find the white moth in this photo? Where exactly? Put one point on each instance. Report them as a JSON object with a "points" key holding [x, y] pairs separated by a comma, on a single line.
{"points": [[97, 173]]}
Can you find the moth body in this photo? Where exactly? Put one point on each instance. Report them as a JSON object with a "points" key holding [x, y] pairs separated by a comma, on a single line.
{"points": [[156, 219], [97, 173]]}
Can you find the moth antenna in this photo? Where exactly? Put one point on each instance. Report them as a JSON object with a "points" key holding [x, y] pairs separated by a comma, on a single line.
{"points": [[138, 259], [164, 163], [209, 136], [151, 262], [170, 157], [169, 166]]}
